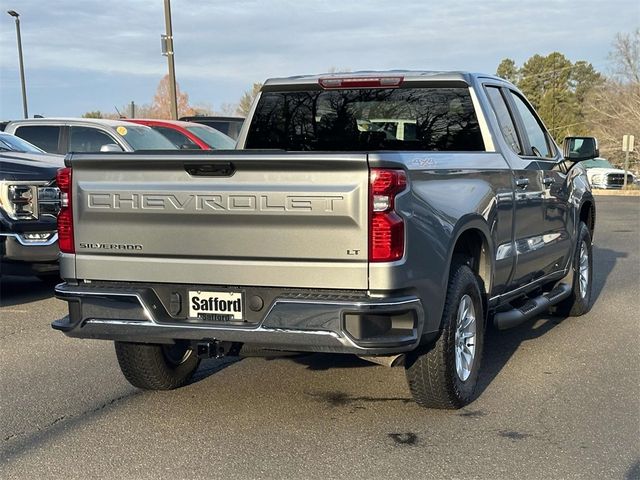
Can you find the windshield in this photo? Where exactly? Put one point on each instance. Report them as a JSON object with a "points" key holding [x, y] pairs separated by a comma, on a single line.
{"points": [[212, 137], [16, 144], [419, 119], [597, 163], [144, 138]]}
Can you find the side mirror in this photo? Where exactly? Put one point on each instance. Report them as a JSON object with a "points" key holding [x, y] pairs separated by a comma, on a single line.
{"points": [[577, 149], [111, 147]]}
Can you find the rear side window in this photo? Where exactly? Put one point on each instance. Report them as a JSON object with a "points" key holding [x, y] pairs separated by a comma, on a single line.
{"points": [[228, 127], [533, 129], [434, 119], [213, 137], [87, 139], [179, 139], [505, 121], [42, 136]]}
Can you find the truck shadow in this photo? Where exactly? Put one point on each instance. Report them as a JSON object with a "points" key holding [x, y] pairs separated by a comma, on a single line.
{"points": [[20, 290], [604, 261], [501, 345], [210, 367], [327, 361]]}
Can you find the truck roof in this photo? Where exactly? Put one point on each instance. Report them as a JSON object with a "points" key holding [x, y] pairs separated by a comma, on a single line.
{"points": [[105, 122], [408, 76]]}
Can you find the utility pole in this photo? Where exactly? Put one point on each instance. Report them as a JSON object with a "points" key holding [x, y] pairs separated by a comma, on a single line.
{"points": [[553, 107], [627, 146], [16, 15], [168, 40], [133, 110]]}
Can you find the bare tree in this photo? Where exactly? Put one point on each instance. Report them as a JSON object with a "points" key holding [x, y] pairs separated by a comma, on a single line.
{"points": [[228, 109], [247, 99], [626, 56], [614, 108]]}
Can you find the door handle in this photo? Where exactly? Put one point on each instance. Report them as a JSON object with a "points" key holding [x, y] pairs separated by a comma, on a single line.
{"points": [[218, 169], [548, 181], [522, 182]]}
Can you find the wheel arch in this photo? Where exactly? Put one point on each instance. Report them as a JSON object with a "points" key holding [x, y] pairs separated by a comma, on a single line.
{"points": [[473, 241], [587, 214]]}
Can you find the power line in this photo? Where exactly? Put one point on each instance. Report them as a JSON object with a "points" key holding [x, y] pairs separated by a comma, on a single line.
{"points": [[553, 72]]}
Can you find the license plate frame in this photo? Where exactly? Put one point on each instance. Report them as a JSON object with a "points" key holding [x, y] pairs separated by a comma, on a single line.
{"points": [[216, 306]]}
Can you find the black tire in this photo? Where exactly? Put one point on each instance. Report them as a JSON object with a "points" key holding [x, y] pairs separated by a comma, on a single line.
{"points": [[431, 371], [579, 302], [156, 367], [49, 278]]}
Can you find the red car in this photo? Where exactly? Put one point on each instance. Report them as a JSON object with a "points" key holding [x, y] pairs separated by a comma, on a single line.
{"points": [[189, 135]]}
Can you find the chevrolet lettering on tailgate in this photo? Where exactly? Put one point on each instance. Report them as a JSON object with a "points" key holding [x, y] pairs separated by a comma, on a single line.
{"points": [[266, 202]]}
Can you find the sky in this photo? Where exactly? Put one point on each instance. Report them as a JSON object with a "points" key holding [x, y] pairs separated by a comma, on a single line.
{"points": [[86, 55]]}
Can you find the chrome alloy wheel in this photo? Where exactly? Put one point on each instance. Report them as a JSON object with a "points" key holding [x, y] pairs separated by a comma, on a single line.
{"points": [[465, 340], [583, 269]]}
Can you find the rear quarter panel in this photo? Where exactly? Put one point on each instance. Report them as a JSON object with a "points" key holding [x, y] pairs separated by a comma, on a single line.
{"points": [[448, 193]]}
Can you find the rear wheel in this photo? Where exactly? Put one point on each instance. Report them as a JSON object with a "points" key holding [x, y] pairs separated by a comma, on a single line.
{"points": [[445, 374], [579, 302], [156, 367]]}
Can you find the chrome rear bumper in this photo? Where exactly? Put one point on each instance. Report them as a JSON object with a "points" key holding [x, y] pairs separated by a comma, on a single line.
{"points": [[328, 323]]}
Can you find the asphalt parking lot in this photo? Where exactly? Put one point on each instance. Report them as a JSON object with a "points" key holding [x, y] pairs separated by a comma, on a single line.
{"points": [[560, 398]]}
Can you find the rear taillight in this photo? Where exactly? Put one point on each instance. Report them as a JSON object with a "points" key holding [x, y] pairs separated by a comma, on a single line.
{"points": [[65, 217], [386, 227]]}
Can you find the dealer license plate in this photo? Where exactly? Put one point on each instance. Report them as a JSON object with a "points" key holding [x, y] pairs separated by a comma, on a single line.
{"points": [[216, 306]]}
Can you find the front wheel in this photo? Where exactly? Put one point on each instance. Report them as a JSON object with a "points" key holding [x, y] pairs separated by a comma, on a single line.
{"points": [[156, 367], [445, 374], [579, 302]]}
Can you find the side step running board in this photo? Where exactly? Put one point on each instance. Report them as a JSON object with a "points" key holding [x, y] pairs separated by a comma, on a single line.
{"points": [[534, 306]]}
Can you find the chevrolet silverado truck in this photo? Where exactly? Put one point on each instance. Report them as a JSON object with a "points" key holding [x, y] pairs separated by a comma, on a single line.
{"points": [[29, 203], [322, 232]]}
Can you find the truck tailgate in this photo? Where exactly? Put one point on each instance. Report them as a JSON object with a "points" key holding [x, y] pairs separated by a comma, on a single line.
{"points": [[262, 219]]}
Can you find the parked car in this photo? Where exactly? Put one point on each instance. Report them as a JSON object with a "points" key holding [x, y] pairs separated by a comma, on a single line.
{"points": [[189, 135], [11, 143], [602, 174], [63, 135], [29, 204], [228, 125], [316, 236]]}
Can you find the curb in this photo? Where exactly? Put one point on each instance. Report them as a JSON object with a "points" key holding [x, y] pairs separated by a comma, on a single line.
{"points": [[615, 193]]}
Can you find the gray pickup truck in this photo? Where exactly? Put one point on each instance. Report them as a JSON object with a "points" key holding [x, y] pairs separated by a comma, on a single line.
{"points": [[391, 215]]}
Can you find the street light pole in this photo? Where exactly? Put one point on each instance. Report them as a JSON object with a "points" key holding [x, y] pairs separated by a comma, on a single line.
{"points": [[16, 15], [172, 68]]}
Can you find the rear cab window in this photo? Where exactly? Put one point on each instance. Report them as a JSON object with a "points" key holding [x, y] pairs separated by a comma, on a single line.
{"points": [[409, 118], [42, 136]]}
